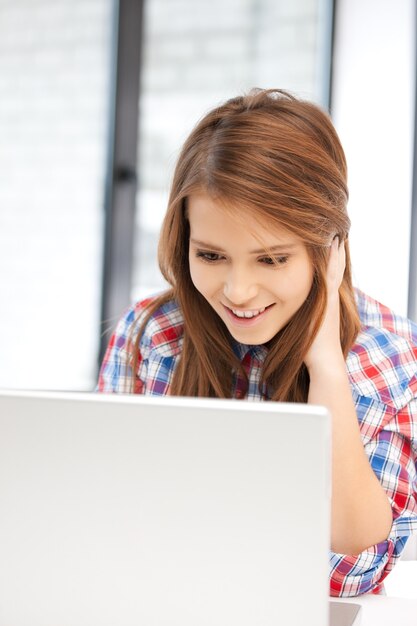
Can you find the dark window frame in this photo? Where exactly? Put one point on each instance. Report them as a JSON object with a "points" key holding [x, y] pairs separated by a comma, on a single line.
{"points": [[412, 271], [121, 174]]}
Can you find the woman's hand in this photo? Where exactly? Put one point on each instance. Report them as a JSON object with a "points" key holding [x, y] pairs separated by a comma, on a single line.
{"points": [[326, 349]]}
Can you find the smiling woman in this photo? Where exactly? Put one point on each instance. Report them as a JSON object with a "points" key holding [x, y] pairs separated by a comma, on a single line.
{"points": [[258, 165], [261, 306], [235, 277]]}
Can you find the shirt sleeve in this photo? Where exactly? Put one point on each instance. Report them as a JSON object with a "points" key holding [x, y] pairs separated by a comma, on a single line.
{"points": [[116, 372], [392, 455]]}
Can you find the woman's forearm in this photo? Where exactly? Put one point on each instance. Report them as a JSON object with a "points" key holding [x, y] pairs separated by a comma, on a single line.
{"points": [[361, 511]]}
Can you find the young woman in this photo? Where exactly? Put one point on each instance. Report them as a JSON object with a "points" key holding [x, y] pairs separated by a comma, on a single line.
{"points": [[261, 306]]}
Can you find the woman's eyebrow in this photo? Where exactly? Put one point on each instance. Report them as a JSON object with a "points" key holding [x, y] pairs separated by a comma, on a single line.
{"points": [[267, 249], [282, 247], [205, 244]]}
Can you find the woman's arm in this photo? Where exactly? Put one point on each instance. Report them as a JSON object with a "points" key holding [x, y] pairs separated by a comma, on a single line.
{"points": [[361, 511]]}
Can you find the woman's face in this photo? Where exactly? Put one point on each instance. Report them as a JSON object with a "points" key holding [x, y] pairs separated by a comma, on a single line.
{"points": [[254, 296]]}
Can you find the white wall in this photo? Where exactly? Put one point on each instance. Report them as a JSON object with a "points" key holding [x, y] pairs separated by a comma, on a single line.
{"points": [[373, 101]]}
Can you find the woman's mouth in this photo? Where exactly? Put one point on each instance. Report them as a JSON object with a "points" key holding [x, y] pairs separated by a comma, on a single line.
{"points": [[246, 317], [248, 314]]}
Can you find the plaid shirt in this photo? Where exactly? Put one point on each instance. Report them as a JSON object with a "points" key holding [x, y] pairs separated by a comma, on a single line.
{"points": [[382, 368]]}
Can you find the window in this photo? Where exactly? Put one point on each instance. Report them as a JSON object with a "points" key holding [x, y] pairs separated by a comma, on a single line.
{"points": [[54, 83]]}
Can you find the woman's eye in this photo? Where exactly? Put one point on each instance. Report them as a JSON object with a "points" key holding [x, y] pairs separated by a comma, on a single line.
{"points": [[277, 260], [208, 256]]}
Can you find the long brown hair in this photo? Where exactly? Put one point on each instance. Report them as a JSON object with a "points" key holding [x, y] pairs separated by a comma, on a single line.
{"points": [[280, 158]]}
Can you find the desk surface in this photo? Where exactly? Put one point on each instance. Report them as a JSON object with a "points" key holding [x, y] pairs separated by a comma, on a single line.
{"points": [[386, 611], [390, 609]]}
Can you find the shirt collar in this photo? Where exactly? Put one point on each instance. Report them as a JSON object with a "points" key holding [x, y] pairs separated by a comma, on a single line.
{"points": [[241, 350]]}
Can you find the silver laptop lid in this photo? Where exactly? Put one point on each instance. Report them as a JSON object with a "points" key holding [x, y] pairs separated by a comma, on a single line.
{"points": [[153, 511]]}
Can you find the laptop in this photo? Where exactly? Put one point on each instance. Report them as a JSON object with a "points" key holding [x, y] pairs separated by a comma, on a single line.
{"points": [[134, 510]]}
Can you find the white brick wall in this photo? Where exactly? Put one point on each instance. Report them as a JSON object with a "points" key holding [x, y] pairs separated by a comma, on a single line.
{"points": [[196, 54], [54, 80]]}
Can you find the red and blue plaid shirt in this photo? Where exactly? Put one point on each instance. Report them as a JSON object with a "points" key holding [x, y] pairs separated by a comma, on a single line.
{"points": [[382, 368]]}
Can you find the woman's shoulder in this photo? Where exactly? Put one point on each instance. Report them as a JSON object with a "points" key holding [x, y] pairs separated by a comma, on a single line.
{"points": [[160, 321], [376, 315], [382, 363]]}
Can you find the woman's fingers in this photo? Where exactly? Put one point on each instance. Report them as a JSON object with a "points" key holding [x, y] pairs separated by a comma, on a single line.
{"points": [[336, 265]]}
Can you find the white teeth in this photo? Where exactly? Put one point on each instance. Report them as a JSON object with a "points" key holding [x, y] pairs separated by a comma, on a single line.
{"points": [[248, 314]]}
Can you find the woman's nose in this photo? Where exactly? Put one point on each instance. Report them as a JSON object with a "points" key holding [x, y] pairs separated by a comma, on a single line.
{"points": [[239, 287]]}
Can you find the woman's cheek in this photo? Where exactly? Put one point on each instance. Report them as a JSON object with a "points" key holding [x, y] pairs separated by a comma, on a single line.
{"points": [[199, 277]]}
